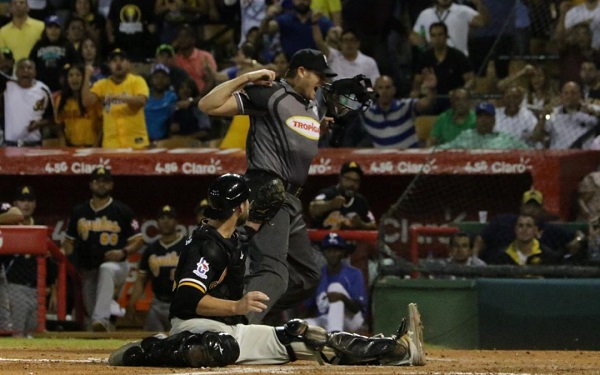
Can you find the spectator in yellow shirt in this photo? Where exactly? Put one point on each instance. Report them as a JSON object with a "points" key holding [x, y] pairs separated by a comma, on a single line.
{"points": [[123, 96], [331, 9], [22, 32], [82, 127]]}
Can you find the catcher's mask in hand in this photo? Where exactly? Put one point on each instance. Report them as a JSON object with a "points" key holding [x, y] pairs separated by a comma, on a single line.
{"points": [[348, 95]]}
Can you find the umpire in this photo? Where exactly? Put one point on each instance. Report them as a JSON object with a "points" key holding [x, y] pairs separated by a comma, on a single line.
{"points": [[281, 143]]}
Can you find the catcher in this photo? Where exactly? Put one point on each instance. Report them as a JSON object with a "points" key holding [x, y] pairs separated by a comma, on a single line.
{"points": [[207, 313]]}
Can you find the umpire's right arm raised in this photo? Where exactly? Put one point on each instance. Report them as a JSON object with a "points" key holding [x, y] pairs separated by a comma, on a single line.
{"points": [[220, 101]]}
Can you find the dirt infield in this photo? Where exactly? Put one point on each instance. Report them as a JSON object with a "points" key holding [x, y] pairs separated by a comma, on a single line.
{"points": [[21, 360]]}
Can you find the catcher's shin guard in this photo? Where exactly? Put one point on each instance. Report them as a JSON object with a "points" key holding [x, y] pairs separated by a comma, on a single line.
{"points": [[403, 349], [210, 349], [348, 348], [184, 349], [297, 330], [353, 349]]}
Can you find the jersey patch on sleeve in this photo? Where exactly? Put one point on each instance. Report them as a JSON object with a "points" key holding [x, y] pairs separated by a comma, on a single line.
{"points": [[202, 268]]}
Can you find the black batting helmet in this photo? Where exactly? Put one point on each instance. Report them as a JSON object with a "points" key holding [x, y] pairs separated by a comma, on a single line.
{"points": [[225, 195]]}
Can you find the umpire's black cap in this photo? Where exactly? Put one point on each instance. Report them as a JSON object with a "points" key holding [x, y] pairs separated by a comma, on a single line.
{"points": [[101, 173], [311, 59], [225, 195]]}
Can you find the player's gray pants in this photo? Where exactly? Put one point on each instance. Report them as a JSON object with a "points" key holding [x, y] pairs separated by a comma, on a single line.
{"points": [[158, 317], [258, 343], [23, 308], [282, 263], [99, 287]]}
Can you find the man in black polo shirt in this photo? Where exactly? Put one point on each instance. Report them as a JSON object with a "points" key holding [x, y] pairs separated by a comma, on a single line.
{"points": [[282, 141], [452, 68]]}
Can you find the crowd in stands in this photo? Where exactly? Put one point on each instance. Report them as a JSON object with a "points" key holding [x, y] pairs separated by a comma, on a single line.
{"points": [[535, 61]]}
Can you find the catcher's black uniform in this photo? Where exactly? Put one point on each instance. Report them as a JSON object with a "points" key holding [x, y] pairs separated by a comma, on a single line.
{"points": [[209, 264]]}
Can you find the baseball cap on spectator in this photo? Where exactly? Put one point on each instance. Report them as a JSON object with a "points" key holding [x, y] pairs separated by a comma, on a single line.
{"points": [[533, 195], [101, 173], [25, 193], [167, 210], [7, 53], [312, 60], [486, 108], [333, 240], [117, 52], [201, 206], [160, 68], [53, 20], [351, 166], [165, 48]]}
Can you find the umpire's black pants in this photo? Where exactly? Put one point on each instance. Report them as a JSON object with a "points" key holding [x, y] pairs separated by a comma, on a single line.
{"points": [[282, 262]]}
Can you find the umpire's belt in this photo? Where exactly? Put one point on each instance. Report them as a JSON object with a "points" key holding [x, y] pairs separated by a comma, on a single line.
{"points": [[260, 175]]}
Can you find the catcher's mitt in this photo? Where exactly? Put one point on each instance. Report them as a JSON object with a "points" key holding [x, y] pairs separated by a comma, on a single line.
{"points": [[267, 199]]}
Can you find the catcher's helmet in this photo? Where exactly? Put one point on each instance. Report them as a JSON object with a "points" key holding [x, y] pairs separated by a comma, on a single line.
{"points": [[225, 195]]}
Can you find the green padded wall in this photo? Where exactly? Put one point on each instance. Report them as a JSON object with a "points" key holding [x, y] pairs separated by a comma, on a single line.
{"points": [[543, 314], [539, 313], [448, 309]]}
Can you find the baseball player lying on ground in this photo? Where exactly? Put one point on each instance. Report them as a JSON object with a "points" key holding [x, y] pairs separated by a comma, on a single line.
{"points": [[207, 314]]}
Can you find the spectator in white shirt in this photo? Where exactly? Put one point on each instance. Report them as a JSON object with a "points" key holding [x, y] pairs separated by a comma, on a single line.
{"points": [[457, 17], [571, 124], [589, 12], [514, 118], [348, 61]]}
